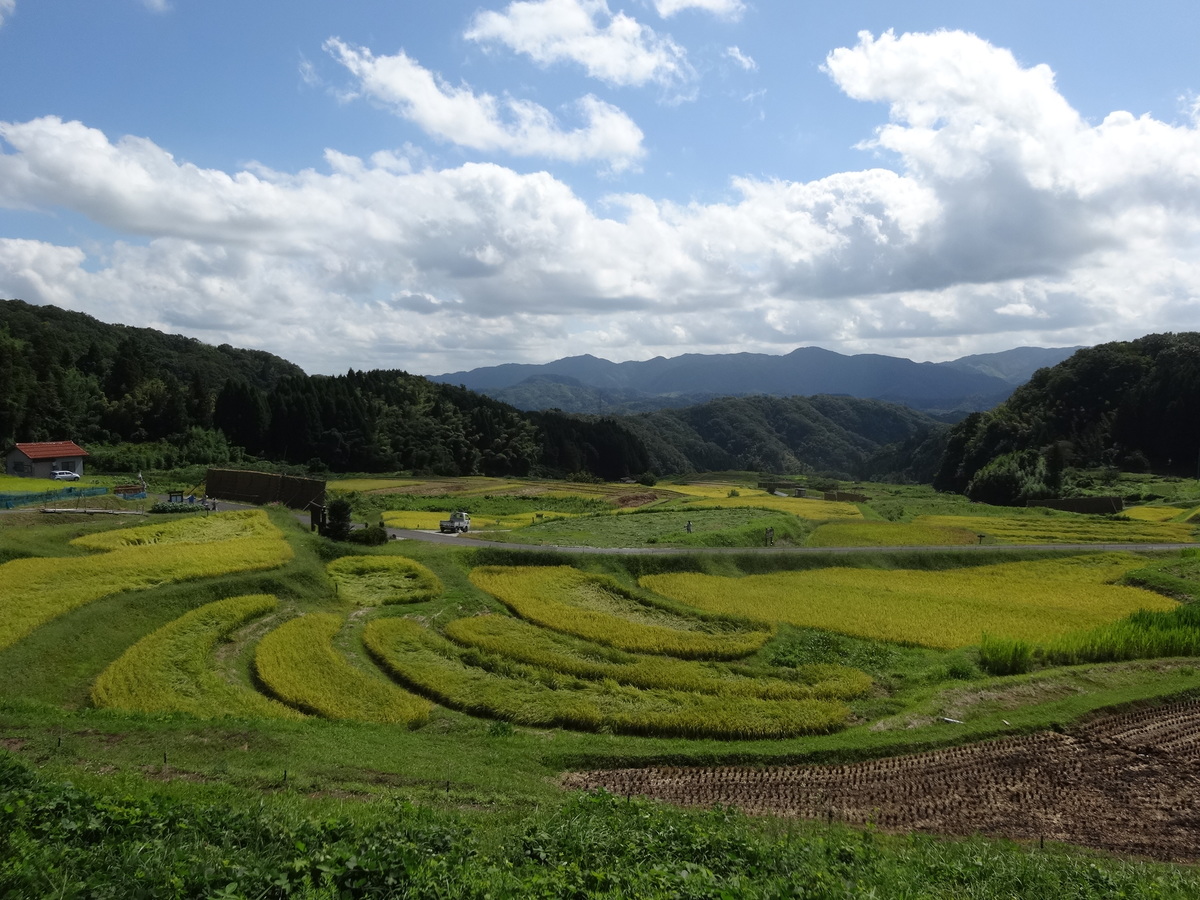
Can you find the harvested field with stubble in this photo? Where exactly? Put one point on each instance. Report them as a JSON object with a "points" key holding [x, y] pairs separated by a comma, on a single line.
{"points": [[1122, 783]]}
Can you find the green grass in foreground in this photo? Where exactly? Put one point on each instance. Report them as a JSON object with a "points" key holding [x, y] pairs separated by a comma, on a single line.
{"points": [[65, 842]]}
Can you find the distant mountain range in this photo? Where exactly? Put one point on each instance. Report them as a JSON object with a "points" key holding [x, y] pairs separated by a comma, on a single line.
{"points": [[588, 384]]}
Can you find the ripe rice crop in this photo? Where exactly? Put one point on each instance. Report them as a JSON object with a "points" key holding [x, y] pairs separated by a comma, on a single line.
{"points": [[1154, 513], [816, 510], [517, 640], [414, 519], [422, 520], [1033, 601], [498, 688], [299, 664], [227, 526], [35, 590], [1064, 528], [170, 670], [596, 608], [380, 580], [888, 534]]}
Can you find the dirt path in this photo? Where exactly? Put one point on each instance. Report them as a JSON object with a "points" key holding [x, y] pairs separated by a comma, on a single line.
{"points": [[1125, 783]]}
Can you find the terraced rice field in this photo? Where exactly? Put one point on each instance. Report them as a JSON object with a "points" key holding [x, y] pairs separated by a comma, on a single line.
{"points": [[421, 520], [299, 664], [171, 669], [801, 507], [36, 590], [516, 640], [1034, 601], [1123, 783], [596, 608], [889, 534], [382, 580], [1035, 528], [1155, 513], [530, 695]]}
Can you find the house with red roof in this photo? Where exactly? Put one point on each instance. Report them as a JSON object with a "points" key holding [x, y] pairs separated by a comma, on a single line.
{"points": [[39, 460]]}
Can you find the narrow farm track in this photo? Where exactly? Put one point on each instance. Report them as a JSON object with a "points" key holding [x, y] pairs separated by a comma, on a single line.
{"points": [[462, 541], [1126, 783]]}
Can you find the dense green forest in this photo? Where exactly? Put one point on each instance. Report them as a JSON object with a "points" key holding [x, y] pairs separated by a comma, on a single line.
{"points": [[841, 436], [1128, 405], [138, 398]]}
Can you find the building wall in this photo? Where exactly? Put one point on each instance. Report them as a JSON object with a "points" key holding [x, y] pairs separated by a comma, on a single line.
{"points": [[17, 463]]}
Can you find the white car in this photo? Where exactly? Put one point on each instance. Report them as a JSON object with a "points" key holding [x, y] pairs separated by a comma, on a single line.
{"points": [[65, 476]]}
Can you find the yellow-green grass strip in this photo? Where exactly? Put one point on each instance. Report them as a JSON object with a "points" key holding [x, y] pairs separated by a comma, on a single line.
{"points": [[596, 608], [1033, 601], [1065, 529], [888, 534], [171, 669], [529, 695], [381, 580], [193, 529], [520, 641], [298, 663], [35, 590]]}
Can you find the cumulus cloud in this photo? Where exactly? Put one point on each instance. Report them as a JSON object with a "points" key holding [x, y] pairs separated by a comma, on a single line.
{"points": [[1001, 212], [616, 48], [746, 62], [7, 8], [725, 9], [483, 122]]}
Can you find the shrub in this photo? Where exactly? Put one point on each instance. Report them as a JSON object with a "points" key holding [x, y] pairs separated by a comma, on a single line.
{"points": [[371, 536], [163, 507]]}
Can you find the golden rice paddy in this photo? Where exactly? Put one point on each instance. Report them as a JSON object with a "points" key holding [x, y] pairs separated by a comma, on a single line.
{"points": [[1034, 601], [1035, 527]]}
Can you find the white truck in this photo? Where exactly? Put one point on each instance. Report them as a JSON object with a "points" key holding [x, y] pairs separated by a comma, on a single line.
{"points": [[458, 523]]}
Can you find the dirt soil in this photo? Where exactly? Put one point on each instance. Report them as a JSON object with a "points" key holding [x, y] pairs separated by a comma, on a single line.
{"points": [[1127, 783]]}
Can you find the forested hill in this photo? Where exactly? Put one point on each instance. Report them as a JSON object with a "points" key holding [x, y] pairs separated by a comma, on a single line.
{"points": [[845, 436], [589, 384], [1129, 404], [67, 374], [64, 375]]}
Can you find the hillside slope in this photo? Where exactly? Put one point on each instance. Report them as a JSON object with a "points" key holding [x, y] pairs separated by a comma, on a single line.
{"points": [[1129, 404]]}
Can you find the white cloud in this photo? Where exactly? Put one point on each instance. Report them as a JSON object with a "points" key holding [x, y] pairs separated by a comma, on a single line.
{"points": [[158, 6], [746, 62], [7, 8], [483, 122], [1007, 214], [725, 9], [621, 52]]}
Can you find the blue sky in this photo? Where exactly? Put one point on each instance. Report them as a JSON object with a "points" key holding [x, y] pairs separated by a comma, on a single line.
{"points": [[439, 186]]}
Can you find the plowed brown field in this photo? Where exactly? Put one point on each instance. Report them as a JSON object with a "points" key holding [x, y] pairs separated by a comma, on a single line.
{"points": [[1127, 783]]}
